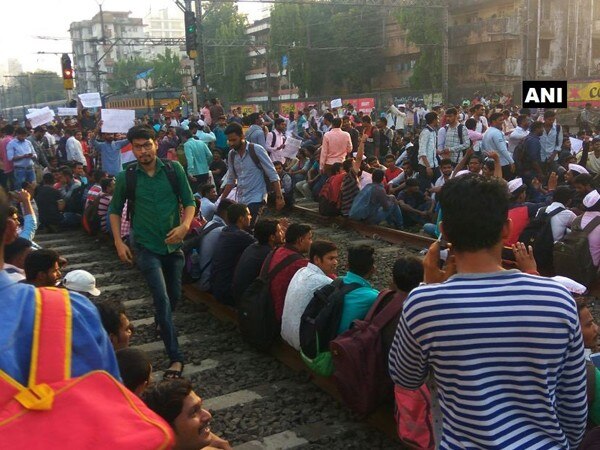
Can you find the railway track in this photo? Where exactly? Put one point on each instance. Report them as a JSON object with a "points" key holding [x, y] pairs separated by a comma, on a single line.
{"points": [[258, 401]]}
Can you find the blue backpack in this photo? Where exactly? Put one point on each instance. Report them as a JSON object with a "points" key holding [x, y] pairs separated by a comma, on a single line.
{"points": [[361, 206]]}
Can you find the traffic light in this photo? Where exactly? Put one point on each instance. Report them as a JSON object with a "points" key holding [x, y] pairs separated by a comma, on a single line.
{"points": [[67, 71], [191, 37]]}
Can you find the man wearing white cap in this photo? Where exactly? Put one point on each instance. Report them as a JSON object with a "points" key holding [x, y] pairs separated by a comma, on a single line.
{"points": [[574, 170], [396, 116], [591, 202], [81, 281]]}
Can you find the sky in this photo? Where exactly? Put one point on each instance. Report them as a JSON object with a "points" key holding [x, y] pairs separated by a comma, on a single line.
{"points": [[26, 19]]}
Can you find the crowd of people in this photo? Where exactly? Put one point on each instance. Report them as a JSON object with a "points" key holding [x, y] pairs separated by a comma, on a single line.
{"points": [[503, 354]]}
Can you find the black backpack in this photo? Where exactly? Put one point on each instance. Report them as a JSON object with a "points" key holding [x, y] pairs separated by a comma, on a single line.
{"points": [[256, 312], [131, 183], [321, 318], [538, 234], [76, 200], [572, 257], [194, 267], [460, 130]]}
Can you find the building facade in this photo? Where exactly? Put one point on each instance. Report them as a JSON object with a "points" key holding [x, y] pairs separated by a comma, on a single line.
{"points": [[95, 51]]}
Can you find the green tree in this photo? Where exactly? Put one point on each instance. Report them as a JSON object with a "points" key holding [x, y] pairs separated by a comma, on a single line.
{"points": [[167, 71], [122, 79], [226, 61], [34, 88], [425, 30]]}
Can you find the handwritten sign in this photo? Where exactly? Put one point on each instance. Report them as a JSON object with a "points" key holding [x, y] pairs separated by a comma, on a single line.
{"points": [[292, 145], [117, 120], [336, 103], [67, 111], [90, 100], [40, 117], [576, 145]]}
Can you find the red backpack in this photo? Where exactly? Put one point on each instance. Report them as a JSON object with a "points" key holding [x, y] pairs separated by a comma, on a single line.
{"points": [[330, 197], [55, 411], [414, 418], [360, 363]]}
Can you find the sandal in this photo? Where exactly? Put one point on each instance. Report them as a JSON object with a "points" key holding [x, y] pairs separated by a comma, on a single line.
{"points": [[173, 374]]}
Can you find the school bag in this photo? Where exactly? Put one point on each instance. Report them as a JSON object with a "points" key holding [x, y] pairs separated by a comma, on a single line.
{"points": [[91, 220], [131, 183], [329, 199], [57, 411], [320, 323], [256, 312], [572, 257], [194, 267], [414, 418], [359, 359], [538, 234]]}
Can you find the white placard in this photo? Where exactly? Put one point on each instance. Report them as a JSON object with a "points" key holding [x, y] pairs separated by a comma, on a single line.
{"points": [[32, 110], [40, 117], [67, 111], [292, 145], [576, 145], [91, 100], [117, 120], [336, 103]]}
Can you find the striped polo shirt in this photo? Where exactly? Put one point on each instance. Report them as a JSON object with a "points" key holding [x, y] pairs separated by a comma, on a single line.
{"points": [[506, 352]]}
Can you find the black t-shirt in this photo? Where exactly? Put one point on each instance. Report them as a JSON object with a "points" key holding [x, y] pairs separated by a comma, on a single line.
{"points": [[248, 268], [47, 200], [220, 165]]}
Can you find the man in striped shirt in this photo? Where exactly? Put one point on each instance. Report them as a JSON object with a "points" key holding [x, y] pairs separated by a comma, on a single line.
{"points": [[505, 347]]}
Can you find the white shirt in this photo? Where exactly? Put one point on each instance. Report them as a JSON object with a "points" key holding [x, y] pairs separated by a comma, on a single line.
{"points": [[515, 137], [561, 222], [16, 274], [75, 151], [365, 178], [299, 294], [207, 208], [395, 118]]}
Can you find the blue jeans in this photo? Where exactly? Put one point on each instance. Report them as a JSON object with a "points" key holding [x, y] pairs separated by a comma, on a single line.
{"points": [[163, 276], [392, 216], [23, 174]]}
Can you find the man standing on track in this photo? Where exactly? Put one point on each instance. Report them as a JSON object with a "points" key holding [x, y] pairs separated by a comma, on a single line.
{"points": [[156, 190]]}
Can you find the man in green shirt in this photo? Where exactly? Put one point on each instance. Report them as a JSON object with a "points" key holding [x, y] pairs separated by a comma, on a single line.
{"points": [[157, 231]]}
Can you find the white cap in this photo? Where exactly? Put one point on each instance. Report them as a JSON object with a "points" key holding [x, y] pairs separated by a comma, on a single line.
{"points": [[401, 105], [461, 173], [572, 286], [515, 184], [591, 199], [81, 281], [355, 153], [577, 168]]}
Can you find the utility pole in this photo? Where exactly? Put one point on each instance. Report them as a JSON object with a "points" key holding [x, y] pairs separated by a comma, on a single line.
{"points": [[191, 47], [445, 57], [200, 61], [268, 64]]}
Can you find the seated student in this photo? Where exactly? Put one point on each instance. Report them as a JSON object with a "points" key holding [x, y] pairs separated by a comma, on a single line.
{"points": [[407, 274], [81, 281], [115, 322], [176, 402], [30, 221], [50, 203], [350, 186], [95, 189], [520, 211], [42, 268], [583, 184], [90, 345], [318, 272], [298, 239], [591, 202], [209, 243], [269, 234], [15, 254], [136, 369], [391, 171], [361, 266], [399, 182], [287, 188], [416, 207], [208, 197], [561, 222], [373, 205], [108, 187], [232, 242]]}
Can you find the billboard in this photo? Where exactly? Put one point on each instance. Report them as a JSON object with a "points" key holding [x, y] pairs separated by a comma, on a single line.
{"points": [[581, 92]]}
